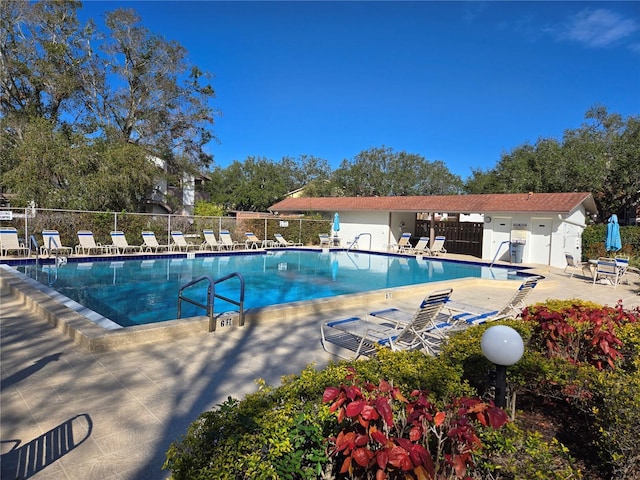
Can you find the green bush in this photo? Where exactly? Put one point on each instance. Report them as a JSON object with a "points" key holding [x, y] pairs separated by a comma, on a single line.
{"points": [[594, 236]]}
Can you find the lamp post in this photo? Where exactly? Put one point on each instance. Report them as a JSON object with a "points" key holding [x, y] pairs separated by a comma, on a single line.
{"points": [[502, 346]]}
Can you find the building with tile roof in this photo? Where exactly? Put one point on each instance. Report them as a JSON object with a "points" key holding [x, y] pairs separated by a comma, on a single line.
{"points": [[546, 224]]}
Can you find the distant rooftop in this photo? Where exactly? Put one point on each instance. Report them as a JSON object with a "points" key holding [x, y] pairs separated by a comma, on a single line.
{"points": [[507, 202]]}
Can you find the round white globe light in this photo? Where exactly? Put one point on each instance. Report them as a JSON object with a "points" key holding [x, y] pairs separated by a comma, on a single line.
{"points": [[502, 345]]}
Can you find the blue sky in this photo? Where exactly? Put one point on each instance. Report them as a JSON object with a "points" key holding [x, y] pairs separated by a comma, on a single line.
{"points": [[460, 82]]}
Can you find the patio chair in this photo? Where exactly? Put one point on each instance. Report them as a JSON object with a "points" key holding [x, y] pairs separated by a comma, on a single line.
{"points": [[87, 244], [251, 241], [9, 242], [606, 269], [150, 243], [283, 242], [422, 247], [623, 266], [227, 241], [51, 244], [325, 240], [438, 246], [120, 244], [210, 241], [364, 337], [475, 315], [179, 242], [574, 264]]}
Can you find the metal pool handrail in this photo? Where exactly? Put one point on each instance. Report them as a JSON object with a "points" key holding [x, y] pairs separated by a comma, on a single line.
{"points": [[355, 240], [211, 296]]}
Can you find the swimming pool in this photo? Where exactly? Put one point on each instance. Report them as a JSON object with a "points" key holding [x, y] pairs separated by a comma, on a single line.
{"points": [[143, 291]]}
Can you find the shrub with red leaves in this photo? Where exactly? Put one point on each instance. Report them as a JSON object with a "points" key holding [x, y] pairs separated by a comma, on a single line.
{"points": [[580, 333], [387, 436]]}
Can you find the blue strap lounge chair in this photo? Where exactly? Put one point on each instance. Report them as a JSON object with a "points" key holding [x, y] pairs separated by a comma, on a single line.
{"points": [[364, 337], [51, 244], [467, 314]]}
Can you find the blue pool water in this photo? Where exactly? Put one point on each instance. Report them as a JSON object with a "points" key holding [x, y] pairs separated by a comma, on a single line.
{"points": [[135, 292]]}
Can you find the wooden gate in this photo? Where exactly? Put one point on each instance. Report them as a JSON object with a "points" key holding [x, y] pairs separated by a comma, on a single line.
{"points": [[462, 237]]}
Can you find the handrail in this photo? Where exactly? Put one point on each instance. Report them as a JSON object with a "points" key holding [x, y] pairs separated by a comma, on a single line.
{"points": [[497, 252], [34, 242], [355, 240], [211, 296]]}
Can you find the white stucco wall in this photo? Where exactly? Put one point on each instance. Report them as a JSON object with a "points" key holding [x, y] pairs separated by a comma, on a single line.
{"points": [[374, 223], [547, 236]]}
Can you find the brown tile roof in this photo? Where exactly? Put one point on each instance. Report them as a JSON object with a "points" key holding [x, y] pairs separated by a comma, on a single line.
{"points": [[507, 202]]}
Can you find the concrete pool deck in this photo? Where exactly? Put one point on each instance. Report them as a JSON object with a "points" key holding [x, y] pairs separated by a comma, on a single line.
{"points": [[112, 414]]}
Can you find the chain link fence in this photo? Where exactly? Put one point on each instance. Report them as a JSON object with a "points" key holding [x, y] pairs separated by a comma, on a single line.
{"points": [[30, 222]]}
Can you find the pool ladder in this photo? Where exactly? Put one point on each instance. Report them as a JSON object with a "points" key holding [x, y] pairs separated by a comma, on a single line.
{"points": [[211, 296]]}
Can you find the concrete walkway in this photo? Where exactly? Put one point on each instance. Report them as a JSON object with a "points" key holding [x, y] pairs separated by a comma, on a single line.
{"points": [[66, 413]]}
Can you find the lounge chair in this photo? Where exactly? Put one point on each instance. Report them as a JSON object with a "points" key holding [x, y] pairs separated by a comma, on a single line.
{"points": [[9, 242], [251, 241], [283, 242], [210, 241], [227, 240], [403, 243], [325, 240], [422, 247], [87, 244], [120, 244], [438, 246], [150, 243], [466, 314], [419, 331], [607, 269], [573, 264], [180, 242], [51, 244]]}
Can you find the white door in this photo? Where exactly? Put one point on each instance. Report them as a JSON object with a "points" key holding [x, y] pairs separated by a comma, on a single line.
{"points": [[540, 248], [501, 233]]}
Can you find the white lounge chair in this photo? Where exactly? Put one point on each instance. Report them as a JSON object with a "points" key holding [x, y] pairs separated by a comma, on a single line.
{"points": [[283, 242], [252, 241], [422, 247], [325, 240], [475, 315], [227, 240], [120, 244], [87, 244], [438, 246], [419, 331], [210, 241], [9, 242], [51, 244], [150, 243], [179, 242], [403, 243]]}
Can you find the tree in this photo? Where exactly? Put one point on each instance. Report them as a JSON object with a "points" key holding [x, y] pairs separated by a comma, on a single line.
{"points": [[82, 112], [602, 157], [382, 172], [144, 91], [43, 54]]}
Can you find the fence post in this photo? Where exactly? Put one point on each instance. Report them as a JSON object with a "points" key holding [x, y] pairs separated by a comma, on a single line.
{"points": [[266, 225]]}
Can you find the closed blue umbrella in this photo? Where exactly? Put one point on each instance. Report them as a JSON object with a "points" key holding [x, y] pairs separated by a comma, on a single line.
{"points": [[613, 242], [336, 223]]}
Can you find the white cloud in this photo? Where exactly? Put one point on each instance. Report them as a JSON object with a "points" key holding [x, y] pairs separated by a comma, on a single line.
{"points": [[598, 28]]}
